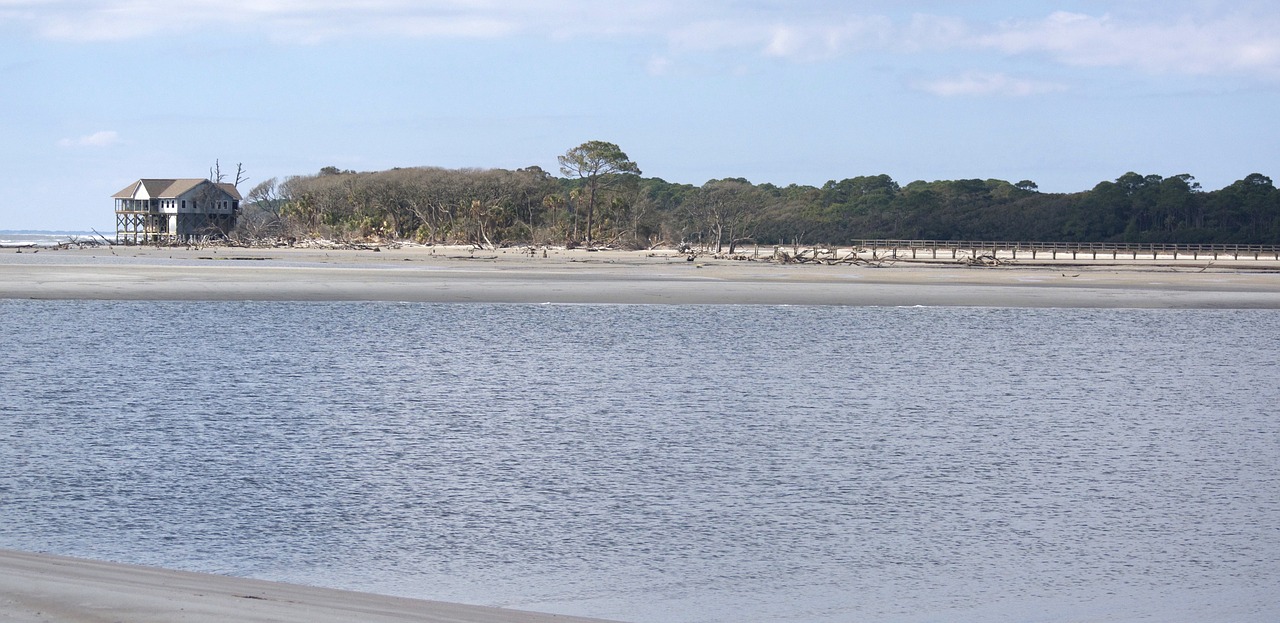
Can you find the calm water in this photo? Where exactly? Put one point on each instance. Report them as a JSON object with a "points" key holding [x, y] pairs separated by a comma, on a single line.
{"points": [[662, 463]]}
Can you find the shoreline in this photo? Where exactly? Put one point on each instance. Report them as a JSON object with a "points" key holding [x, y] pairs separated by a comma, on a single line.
{"points": [[578, 276], [46, 587]]}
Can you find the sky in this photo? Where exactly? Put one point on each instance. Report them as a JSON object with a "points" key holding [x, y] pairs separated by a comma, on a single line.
{"points": [[99, 93]]}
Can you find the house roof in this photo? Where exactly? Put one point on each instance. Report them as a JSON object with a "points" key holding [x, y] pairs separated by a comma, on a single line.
{"points": [[169, 188]]}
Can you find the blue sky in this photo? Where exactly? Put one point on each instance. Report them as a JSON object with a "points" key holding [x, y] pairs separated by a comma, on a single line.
{"points": [[98, 93]]}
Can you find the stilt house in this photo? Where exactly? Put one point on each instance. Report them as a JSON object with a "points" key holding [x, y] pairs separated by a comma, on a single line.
{"points": [[175, 210]]}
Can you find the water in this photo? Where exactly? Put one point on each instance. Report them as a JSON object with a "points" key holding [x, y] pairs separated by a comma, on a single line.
{"points": [[10, 238], [672, 463]]}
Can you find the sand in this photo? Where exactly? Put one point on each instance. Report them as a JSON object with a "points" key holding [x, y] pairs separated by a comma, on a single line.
{"points": [[459, 274], [41, 587]]}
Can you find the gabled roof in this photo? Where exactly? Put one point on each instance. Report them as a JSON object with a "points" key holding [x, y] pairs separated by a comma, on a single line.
{"points": [[167, 188]]}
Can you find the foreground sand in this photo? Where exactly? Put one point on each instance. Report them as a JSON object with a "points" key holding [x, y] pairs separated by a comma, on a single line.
{"points": [[456, 274], [38, 587]]}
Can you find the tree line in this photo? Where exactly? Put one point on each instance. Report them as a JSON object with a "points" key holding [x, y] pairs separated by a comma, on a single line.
{"points": [[601, 198]]}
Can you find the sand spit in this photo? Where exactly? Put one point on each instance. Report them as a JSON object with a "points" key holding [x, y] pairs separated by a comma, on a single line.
{"points": [[462, 274]]}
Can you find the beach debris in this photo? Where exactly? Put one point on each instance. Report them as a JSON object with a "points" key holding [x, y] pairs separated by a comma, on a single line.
{"points": [[830, 257], [985, 260], [104, 238]]}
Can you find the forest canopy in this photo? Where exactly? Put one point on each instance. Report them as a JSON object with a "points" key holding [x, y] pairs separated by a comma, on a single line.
{"points": [[602, 199]]}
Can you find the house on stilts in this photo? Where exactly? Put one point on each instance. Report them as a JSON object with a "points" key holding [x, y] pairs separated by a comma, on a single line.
{"points": [[175, 210]]}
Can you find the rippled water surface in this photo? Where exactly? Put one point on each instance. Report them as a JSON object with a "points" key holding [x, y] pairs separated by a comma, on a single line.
{"points": [[662, 463]]}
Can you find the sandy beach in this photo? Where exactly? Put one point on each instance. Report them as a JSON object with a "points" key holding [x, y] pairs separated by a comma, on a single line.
{"points": [[41, 587], [461, 274]]}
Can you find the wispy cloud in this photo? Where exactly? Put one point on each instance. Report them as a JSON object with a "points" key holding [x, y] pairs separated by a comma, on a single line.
{"points": [[932, 33], [104, 138], [822, 40], [284, 20], [1179, 37], [988, 84], [658, 65], [1227, 43], [803, 40]]}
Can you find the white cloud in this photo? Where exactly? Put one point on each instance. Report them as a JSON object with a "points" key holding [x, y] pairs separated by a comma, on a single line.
{"points": [[105, 138], [976, 83], [821, 40], [1228, 43]]}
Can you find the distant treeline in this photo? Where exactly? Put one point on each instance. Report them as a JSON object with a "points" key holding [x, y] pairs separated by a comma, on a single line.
{"points": [[594, 204]]}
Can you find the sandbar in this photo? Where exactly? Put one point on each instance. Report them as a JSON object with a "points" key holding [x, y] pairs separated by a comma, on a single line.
{"points": [[568, 276], [43, 587]]}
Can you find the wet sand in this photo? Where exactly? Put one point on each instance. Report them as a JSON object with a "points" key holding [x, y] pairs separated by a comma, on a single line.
{"points": [[459, 274], [39, 587]]}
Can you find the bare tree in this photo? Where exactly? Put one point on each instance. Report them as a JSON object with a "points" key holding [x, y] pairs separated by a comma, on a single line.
{"points": [[726, 210], [267, 196], [217, 176]]}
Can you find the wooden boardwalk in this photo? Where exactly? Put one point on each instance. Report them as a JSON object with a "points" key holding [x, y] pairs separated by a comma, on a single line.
{"points": [[960, 250]]}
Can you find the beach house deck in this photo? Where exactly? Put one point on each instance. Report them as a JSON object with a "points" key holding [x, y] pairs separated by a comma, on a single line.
{"points": [[175, 210]]}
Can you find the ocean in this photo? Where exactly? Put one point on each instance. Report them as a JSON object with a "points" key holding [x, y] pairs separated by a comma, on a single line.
{"points": [[19, 239], [662, 463]]}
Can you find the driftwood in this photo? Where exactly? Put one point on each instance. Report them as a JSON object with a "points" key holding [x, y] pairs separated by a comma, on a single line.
{"points": [[104, 238], [80, 243], [987, 259], [738, 257], [829, 257]]}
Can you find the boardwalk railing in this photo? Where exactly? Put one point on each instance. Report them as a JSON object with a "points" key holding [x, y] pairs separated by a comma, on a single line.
{"points": [[958, 249]]}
